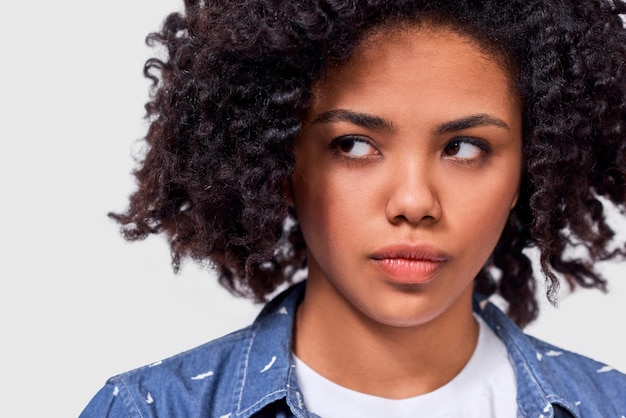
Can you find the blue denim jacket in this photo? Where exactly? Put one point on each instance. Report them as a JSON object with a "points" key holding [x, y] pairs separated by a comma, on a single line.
{"points": [[249, 373]]}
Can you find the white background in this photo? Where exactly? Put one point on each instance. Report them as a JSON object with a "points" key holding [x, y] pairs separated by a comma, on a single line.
{"points": [[77, 303]]}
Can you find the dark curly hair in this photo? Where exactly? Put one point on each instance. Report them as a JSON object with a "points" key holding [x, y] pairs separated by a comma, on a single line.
{"points": [[230, 94]]}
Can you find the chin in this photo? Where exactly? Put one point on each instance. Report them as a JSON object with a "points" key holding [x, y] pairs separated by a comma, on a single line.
{"points": [[402, 319]]}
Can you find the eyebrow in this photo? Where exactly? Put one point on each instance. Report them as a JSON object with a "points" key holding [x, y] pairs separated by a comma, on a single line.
{"points": [[376, 122], [357, 118], [471, 122]]}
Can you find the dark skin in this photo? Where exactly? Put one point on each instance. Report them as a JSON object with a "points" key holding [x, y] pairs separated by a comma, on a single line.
{"points": [[401, 198]]}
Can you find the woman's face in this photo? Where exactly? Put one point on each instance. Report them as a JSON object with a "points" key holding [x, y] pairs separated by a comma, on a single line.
{"points": [[406, 170]]}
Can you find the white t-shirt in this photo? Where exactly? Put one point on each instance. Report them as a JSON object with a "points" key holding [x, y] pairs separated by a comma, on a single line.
{"points": [[484, 388]]}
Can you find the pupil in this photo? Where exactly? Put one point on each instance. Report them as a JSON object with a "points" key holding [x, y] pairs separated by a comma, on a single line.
{"points": [[346, 145], [453, 148]]}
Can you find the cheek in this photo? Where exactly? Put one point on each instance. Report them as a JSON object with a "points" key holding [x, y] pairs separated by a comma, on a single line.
{"points": [[314, 203], [483, 203], [330, 208]]}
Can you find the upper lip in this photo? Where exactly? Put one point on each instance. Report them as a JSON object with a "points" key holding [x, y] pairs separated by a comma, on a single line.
{"points": [[410, 252]]}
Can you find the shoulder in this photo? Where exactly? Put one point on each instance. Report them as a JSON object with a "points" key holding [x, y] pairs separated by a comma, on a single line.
{"points": [[242, 371], [582, 385], [582, 377], [203, 366], [176, 384], [548, 375]]}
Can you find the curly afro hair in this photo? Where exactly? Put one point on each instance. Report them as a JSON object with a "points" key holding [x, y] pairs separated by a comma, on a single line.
{"points": [[230, 94]]}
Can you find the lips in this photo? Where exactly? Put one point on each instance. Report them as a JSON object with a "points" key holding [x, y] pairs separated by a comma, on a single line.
{"points": [[409, 264]]}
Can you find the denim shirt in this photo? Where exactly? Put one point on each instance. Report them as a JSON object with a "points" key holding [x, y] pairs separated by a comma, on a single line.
{"points": [[250, 373]]}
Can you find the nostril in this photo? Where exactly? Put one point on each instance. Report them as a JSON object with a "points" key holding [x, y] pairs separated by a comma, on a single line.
{"points": [[401, 218]]}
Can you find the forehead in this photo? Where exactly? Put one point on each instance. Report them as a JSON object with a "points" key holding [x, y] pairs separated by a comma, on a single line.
{"points": [[422, 60]]}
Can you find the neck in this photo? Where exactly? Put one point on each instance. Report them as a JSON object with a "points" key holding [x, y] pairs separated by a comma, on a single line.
{"points": [[357, 352]]}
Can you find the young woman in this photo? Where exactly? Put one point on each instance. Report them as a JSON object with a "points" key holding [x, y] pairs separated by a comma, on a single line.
{"points": [[402, 156]]}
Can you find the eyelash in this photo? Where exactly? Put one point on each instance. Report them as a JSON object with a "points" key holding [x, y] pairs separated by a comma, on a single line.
{"points": [[480, 144], [336, 144]]}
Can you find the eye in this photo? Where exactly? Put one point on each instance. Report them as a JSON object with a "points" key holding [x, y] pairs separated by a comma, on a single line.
{"points": [[353, 147], [465, 148]]}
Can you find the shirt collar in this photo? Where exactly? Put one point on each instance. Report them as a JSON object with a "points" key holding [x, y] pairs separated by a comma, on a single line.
{"points": [[537, 389], [267, 373]]}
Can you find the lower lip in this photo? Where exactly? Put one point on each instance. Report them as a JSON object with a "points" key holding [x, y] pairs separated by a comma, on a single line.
{"points": [[407, 271]]}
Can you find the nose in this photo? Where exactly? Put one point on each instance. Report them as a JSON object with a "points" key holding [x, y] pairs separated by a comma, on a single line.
{"points": [[412, 196]]}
